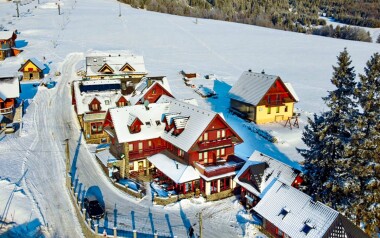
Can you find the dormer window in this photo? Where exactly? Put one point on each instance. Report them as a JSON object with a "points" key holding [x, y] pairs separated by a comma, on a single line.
{"points": [[158, 123], [95, 107], [284, 211], [307, 227], [107, 102], [147, 124]]}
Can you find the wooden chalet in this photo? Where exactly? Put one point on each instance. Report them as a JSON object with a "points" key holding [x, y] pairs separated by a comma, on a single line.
{"points": [[288, 212], [258, 175], [262, 98], [92, 99], [187, 147], [32, 69], [129, 69], [9, 92], [7, 44]]}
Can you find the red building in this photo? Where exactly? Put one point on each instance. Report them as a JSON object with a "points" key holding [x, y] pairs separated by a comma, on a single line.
{"points": [[173, 139], [7, 44], [9, 92], [259, 173]]}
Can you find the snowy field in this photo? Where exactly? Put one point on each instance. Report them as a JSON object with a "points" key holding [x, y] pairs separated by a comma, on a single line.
{"points": [[32, 162]]}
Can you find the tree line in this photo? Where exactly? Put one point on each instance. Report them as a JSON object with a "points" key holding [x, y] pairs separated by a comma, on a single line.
{"points": [[295, 15], [342, 159]]}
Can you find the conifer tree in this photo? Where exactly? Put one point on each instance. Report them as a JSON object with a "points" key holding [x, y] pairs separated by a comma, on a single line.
{"points": [[365, 147], [327, 137]]}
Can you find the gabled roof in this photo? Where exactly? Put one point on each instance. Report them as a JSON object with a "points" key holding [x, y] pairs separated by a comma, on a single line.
{"points": [[105, 66], [116, 62], [127, 66], [5, 35], [176, 171], [301, 211], [252, 87], [142, 88], [265, 171], [197, 121], [34, 61], [107, 92], [9, 87], [124, 116]]}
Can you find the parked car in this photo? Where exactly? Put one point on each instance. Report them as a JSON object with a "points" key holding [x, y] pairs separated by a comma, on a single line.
{"points": [[93, 207]]}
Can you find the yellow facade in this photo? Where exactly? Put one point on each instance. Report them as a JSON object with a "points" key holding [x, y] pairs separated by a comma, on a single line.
{"points": [[266, 114], [30, 65], [31, 72]]}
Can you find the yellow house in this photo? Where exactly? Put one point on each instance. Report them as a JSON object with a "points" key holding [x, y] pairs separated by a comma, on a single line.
{"points": [[262, 98], [32, 69]]}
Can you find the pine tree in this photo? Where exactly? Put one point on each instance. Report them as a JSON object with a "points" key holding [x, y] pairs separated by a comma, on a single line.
{"points": [[327, 137], [366, 146]]}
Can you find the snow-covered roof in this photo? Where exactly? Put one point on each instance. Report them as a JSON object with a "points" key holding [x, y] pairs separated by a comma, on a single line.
{"points": [[142, 88], [265, 171], [105, 157], [9, 87], [251, 87], [290, 210], [107, 92], [124, 116], [38, 63], [5, 35], [196, 122], [291, 90], [176, 171], [116, 62]]}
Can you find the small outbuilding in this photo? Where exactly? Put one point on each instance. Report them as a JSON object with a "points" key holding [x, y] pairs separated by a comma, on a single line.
{"points": [[32, 69]]}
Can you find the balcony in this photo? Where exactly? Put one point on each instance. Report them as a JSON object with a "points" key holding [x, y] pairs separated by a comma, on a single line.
{"points": [[145, 153], [232, 164], [204, 145], [7, 110]]}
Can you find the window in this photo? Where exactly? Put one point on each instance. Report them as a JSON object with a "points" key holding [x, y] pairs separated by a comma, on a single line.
{"points": [[181, 153], [217, 134], [95, 107], [284, 211], [130, 147], [205, 136], [30, 69], [200, 157], [223, 133], [140, 146], [223, 151], [277, 109], [200, 138], [286, 108], [154, 91], [96, 128], [121, 104], [149, 143], [217, 153], [131, 166], [107, 102], [268, 110], [205, 157]]}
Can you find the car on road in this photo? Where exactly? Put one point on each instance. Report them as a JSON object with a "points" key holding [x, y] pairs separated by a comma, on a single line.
{"points": [[93, 207]]}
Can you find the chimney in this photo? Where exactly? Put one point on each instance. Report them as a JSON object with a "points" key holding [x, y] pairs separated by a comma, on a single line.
{"points": [[176, 164], [263, 72], [250, 70]]}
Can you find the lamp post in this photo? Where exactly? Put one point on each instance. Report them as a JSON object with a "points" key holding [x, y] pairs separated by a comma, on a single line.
{"points": [[17, 3]]}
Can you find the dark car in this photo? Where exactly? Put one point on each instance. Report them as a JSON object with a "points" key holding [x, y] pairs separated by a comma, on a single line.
{"points": [[93, 207]]}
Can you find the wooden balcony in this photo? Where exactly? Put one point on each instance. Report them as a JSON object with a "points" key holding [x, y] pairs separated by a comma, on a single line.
{"points": [[7, 110], [204, 145], [219, 169], [133, 155]]}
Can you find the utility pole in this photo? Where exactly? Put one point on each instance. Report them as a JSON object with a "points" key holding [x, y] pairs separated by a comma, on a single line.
{"points": [[59, 7], [67, 151], [200, 224], [17, 3]]}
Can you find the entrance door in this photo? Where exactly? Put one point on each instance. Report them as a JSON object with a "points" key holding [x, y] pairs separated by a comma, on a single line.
{"points": [[141, 166]]}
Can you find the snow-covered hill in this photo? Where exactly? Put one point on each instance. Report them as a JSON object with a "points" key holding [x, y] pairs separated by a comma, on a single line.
{"points": [[169, 44]]}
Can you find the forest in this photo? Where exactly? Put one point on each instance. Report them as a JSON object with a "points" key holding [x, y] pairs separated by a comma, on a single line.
{"points": [[291, 15]]}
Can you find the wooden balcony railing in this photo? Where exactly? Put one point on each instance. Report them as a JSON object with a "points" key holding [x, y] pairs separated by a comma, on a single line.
{"points": [[6, 110], [218, 170], [203, 145], [145, 152]]}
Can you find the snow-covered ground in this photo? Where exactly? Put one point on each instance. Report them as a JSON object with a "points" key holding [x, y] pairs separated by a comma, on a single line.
{"points": [[34, 162]]}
